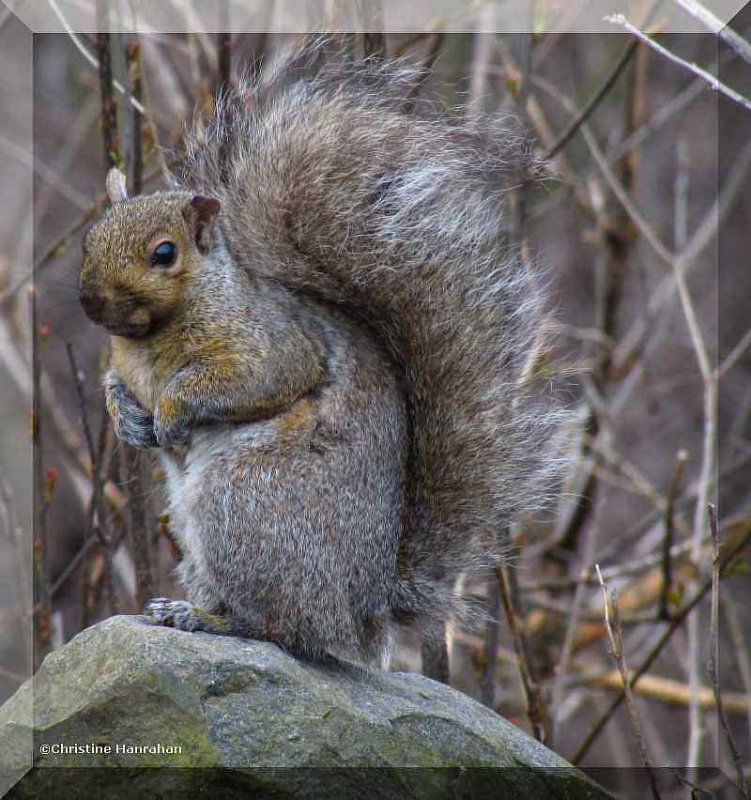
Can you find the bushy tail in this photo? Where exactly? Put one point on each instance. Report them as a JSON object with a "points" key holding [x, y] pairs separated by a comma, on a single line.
{"points": [[401, 218]]}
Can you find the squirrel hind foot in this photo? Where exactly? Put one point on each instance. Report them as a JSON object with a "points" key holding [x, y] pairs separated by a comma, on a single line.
{"points": [[184, 616]]}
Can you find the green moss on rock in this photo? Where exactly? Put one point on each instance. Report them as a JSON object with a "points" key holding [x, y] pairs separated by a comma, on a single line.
{"points": [[265, 724]]}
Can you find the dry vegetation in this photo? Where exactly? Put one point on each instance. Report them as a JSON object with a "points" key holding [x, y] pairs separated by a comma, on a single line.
{"points": [[633, 587]]}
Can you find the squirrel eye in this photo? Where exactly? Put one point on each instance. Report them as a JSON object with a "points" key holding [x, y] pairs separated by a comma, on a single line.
{"points": [[164, 254]]}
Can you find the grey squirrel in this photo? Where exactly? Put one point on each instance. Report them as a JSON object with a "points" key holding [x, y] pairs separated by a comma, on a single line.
{"points": [[327, 336]]}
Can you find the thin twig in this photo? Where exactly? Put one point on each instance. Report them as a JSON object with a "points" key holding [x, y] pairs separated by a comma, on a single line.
{"points": [[713, 82], [85, 53], [668, 691], [709, 427], [732, 358], [535, 704], [678, 619], [714, 653], [732, 39], [42, 499], [490, 647], [594, 101], [618, 190], [619, 571], [97, 516], [615, 636], [112, 156], [667, 542], [426, 68], [739, 638], [482, 55], [223, 52], [24, 596], [49, 175], [78, 382], [599, 95], [633, 342], [139, 527], [133, 60], [133, 466]]}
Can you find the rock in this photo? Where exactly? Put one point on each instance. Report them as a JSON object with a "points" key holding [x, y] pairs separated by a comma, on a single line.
{"points": [[158, 697]]}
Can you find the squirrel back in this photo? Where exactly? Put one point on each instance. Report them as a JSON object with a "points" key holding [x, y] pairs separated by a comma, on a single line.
{"points": [[329, 185]]}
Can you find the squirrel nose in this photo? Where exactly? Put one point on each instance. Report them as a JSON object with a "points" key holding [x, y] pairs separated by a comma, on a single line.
{"points": [[93, 304]]}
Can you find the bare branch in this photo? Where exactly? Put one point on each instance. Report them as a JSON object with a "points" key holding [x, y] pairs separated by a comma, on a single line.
{"points": [[594, 101], [86, 54], [669, 691], [732, 39], [112, 154], [714, 83], [714, 653], [677, 620], [42, 499], [490, 646], [535, 704], [615, 636], [667, 546], [599, 95], [734, 355], [223, 50]]}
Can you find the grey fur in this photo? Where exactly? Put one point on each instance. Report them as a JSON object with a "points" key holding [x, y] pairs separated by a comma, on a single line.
{"points": [[382, 233], [330, 187]]}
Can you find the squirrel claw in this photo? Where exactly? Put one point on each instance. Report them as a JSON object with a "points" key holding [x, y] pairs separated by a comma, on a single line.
{"points": [[132, 422], [182, 615], [171, 613], [168, 436]]}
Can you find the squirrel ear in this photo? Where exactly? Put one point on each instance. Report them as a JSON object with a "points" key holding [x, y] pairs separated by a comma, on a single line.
{"points": [[116, 186], [200, 213]]}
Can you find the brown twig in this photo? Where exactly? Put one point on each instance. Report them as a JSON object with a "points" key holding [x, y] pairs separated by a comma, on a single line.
{"points": [[42, 499], [714, 653], [370, 15], [78, 381], [133, 59], [133, 470], [223, 55], [614, 629], [599, 95], [426, 68], [24, 598], [536, 710], [678, 619], [134, 467], [97, 517], [490, 647], [667, 541], [594, 101], [739, 639], [668, 691], [713, 82], [112, 155]]}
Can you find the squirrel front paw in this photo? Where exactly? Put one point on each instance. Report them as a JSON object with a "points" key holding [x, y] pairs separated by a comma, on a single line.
{"points": [[133, 424], [183, 616], [171, 424]]}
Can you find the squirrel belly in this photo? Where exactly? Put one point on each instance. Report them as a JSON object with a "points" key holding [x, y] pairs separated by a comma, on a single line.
{"points": [[291, 524]]}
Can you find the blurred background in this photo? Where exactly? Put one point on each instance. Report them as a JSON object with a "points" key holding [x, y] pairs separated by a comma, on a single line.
{"points": [[642, 231]]}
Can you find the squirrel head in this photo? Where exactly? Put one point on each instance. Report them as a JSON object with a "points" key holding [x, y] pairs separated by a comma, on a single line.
{"points": [[139, 257]]}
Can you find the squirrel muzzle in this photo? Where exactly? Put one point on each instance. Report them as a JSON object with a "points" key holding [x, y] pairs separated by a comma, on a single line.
{"points": [[119, 317]]}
